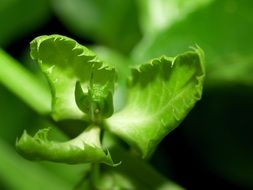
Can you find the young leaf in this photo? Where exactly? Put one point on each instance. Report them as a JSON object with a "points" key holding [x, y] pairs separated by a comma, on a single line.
{"points": [[97, 102], [161, 93], [84, 148], [65, 62]]}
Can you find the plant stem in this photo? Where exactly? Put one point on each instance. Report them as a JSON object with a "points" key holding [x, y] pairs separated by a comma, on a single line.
{"points": [[135, 171], [24, 84]]}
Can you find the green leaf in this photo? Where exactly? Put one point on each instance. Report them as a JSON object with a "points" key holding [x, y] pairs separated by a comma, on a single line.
{"points": [[159, 14], [227, 43], [65, 62], [224, 30], [97, 102], [161, 93], [83, 149], [121, 64]]}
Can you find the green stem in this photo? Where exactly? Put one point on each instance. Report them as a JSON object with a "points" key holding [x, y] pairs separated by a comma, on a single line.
{"points": [[24, 84], [134, 172]]}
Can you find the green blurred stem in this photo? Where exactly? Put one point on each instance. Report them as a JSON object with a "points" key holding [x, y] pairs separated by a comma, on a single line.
{"points": [[135, 170], [24, 84], [95, 167]]}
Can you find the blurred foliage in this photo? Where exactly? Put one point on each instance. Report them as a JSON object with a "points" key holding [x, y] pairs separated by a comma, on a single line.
{"points": [[219, 130], [112, 22], [223, 29], [21, 17], [9, 127], [160, 14]]}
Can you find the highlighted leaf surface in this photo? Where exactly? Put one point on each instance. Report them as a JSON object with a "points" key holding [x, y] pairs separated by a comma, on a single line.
{"points": [[65, 62], [161, 93], [84, 148]]}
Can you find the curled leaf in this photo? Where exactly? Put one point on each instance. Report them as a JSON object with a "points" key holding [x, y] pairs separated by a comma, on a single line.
{"points": [[64, 62], [84, 148], [161, 93], [97, 102]]}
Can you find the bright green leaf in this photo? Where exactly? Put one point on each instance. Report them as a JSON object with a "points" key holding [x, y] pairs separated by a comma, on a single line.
{"points": [[65, 62], [83, 149], [161, 93]]}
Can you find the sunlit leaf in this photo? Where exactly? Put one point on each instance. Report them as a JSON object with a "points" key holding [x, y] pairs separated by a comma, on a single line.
{"points": [[161, 93], [84, 148], [65, 62]]}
